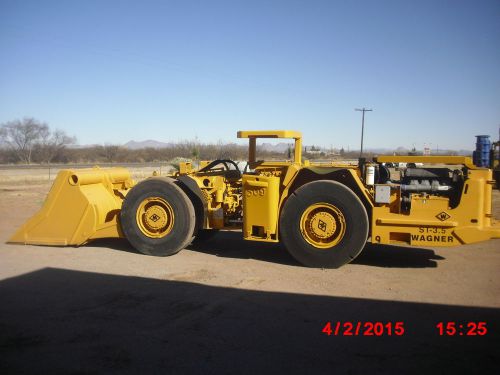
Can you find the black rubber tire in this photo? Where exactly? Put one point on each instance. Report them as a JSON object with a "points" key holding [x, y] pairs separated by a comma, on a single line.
{"points": [[356, 219], [182, 231]]}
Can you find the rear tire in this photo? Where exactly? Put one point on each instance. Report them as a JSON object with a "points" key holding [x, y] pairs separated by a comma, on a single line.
{"points": [[324, 224], [157, 217]]}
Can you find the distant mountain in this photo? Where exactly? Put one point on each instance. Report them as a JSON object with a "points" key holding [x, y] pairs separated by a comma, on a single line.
{"points": [[279, 147], [133, 145]]}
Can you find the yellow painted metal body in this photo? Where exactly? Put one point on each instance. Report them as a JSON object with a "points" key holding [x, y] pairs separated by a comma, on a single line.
{"points": [[429, 222], [441, 159], [185, 167], [260, 202], [266, 188], [432, 222], [83, 204]]}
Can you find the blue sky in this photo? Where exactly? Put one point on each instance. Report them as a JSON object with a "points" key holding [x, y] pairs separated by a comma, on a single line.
{"points": [[112, 71]]}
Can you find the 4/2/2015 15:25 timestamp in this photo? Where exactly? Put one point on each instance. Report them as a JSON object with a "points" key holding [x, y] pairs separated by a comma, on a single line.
{"points": [[398, 328]]}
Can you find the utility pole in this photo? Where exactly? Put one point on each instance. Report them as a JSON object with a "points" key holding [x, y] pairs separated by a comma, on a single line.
{"points": [[362, 126]]}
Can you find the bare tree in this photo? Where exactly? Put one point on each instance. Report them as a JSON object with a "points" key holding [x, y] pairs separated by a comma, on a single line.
{"points": [[52, 143], [22, 135], [30, 140], [110, 152]]}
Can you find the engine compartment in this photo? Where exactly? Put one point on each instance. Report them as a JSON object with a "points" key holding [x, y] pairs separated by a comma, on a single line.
{"points": [[440, 181]]}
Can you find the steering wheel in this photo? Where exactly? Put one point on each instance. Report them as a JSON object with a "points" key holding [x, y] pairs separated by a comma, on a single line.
{"points": [[224, 162]]}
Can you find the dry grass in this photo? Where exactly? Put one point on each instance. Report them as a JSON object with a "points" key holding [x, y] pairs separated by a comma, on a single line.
{"points": [[32, 176]]}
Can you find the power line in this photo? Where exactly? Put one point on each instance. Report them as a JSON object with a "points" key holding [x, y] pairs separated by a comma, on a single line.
{"points": [[362, 126]]}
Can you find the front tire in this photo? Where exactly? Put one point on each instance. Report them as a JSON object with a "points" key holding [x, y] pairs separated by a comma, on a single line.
{"points": [[157, 217], [324, 224]]}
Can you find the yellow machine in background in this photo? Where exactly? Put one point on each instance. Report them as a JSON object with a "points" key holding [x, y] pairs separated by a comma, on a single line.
{"points": [[323, 213], [495, 162]]}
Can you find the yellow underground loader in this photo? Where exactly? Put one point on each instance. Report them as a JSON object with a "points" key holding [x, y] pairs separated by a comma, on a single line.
{"points": [[324, 213]]}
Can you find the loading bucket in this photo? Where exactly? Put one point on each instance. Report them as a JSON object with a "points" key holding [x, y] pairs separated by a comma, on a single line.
{"points": [[83, 204]]}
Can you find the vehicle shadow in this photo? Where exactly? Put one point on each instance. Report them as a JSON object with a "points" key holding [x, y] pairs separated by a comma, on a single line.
{"points": [[392, 256], [63, 321], [230, 244]]}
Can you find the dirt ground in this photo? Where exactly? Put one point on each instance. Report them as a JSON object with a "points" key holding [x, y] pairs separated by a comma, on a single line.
{"points": [[231, 306]]}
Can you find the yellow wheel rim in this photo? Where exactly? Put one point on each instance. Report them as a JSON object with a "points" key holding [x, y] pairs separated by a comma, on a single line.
{"points": [[322, 225], [155, 217]]}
